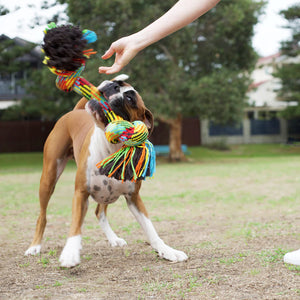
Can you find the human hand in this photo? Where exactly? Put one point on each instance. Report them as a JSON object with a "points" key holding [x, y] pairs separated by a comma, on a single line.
{"points": [[125, 50]]}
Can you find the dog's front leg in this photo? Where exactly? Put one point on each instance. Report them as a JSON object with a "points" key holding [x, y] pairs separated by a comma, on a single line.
{"points": [[113, 239], [138, 209], [70, 255]]}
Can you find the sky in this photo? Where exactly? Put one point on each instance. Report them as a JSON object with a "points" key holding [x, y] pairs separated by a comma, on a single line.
{"points": [[268, 32]]}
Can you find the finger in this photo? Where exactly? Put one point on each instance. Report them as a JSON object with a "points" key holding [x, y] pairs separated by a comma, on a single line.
{"points": [[110, 70], [108, 53], [103, 69]]}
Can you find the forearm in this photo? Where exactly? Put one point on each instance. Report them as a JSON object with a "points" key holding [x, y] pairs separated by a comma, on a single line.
{"points": [[181, 14]]}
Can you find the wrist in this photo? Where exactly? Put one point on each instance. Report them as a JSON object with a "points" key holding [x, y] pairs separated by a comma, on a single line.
{"points": [[142, 40]]}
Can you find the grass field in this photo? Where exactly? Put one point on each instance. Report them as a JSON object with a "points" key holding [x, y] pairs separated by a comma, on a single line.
{"points": [[235, 213]]}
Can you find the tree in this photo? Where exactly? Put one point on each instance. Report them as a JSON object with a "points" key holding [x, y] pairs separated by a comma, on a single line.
{"points": [[219, 96], [177, 76], [14, 61], [291, 47], [11, 55], [289, 72], [170, 73], [3, 10], [43, 101]]}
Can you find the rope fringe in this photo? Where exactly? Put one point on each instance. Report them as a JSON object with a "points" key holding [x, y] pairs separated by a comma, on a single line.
{"points": [[132, 163]]}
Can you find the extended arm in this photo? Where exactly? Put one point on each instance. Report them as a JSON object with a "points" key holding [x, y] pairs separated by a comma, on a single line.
{"points": [[180, 15]]}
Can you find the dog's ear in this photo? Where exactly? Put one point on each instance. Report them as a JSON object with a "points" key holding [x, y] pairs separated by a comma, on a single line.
{"points": [[94, 109], [121, 77], [149, 120]]}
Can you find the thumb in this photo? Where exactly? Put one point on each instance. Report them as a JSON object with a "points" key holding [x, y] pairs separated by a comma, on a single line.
{"points": [[110, 70]]}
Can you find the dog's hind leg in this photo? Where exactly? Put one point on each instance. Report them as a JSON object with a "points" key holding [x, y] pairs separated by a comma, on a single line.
{"points": [[113, 239], [138, 209], [54, 162]]}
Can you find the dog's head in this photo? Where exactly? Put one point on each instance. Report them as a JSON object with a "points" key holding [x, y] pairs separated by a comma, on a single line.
{"points": [[124, 100]]}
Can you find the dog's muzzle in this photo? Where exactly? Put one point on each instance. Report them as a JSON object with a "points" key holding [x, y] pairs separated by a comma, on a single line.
{"points": [[109, 89], [111, 92]]}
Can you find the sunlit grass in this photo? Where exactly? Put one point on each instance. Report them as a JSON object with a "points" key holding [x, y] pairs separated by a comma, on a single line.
{"points": [[243, 151]]}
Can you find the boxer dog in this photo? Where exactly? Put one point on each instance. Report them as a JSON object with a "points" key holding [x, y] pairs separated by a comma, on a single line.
{"points": [[80, 135]]}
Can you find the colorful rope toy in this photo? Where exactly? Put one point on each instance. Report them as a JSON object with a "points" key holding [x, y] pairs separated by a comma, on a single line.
{"points": [[65, 56]]}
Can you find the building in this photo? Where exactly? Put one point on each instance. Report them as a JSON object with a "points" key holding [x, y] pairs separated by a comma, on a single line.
{"points": [[11, 90], [261, 123]]}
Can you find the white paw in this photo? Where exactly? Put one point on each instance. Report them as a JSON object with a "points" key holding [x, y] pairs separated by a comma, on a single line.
{"points": [[117, 242], [292, 258], [166, 252], [33, 250], [70, 256]]}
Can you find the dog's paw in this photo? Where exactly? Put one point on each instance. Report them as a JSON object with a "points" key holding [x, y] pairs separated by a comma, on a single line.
{"points": [[70, 256], [117, 242], [33, 250], [167, 252]]}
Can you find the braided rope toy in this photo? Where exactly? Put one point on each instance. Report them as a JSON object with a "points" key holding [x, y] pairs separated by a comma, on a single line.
{"points": [[65, 57]]}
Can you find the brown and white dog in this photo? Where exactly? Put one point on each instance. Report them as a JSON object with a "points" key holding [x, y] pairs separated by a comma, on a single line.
{"points": [[80, 135]]}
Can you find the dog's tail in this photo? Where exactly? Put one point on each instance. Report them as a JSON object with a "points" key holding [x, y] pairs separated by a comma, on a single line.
{"points": [[81, 103]]}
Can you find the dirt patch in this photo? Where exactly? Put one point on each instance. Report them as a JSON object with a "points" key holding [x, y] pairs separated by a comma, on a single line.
{"points": [[248, 269]]}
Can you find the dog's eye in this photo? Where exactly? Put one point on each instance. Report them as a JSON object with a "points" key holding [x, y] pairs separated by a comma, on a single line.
{"points": [[129, 98]]}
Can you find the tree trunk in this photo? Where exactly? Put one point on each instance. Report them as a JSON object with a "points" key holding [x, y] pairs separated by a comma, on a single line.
{"points": [[175, 139]]}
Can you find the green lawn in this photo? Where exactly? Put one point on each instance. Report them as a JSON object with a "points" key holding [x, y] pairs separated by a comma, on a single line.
{"points": [[245, 151], [18, 162], [15, 162]]}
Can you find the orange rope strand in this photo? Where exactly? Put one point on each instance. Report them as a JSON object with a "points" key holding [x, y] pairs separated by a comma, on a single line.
{"points": [[141, 161], [110, 175]]}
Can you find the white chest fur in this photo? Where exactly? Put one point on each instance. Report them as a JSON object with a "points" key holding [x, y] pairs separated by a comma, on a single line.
{"points": [[102, 188]]}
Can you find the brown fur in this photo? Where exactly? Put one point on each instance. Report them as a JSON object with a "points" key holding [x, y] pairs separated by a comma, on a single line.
{"points": [[70, 138]]}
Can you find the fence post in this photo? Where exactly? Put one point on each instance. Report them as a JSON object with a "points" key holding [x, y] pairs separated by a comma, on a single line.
{"points": [[204, 129], [283, 129], [246, 131]]}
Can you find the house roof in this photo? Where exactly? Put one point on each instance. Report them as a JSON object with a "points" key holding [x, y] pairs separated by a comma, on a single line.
{"points": [[34, 55], [255, 85], [268, 59]]}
